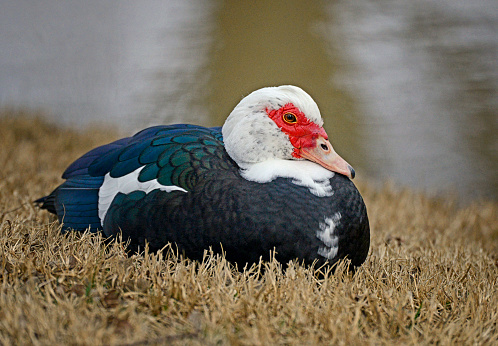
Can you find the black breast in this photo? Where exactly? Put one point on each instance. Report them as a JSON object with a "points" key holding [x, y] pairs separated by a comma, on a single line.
{"points": [[247, 220]]}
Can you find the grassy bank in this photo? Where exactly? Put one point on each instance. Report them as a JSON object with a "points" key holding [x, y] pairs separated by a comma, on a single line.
{"points": [[431, 274]]}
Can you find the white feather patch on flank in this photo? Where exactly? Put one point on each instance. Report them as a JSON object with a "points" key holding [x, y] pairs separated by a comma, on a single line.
{"points": [[327, 235], [303, 173], [126, 184]]}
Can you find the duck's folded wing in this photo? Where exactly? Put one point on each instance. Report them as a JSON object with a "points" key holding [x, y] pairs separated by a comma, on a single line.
{"points": [[162, 157]]}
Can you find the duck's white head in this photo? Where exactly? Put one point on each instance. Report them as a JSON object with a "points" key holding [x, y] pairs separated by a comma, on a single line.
{"points": [[280, 123]]}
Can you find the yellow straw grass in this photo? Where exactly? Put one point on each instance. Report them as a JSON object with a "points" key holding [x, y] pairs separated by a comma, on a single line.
{"points": [[430, 277]]}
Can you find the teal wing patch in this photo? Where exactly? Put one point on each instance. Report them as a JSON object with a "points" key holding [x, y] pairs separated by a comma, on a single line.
{"points": [[174, 155]]}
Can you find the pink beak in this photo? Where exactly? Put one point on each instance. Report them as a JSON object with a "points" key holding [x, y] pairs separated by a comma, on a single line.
{"points": [[323, 154]]}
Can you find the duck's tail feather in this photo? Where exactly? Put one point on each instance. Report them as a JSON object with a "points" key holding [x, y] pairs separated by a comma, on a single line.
{"points": [[75, 203]]}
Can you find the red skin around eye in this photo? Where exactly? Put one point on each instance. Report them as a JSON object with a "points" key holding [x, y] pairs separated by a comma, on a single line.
{"points": [[303, 133]]}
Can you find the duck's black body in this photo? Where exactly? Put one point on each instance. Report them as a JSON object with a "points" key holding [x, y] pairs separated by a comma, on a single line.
{"points": [[249, 219], [216, 207]]}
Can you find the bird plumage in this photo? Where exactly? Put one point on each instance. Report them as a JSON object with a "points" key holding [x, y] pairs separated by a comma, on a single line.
{"points": [[242, 189]]}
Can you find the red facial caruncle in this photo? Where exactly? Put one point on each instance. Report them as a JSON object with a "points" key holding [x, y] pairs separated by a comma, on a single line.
{"points": [[310, 141], [302, 132]]}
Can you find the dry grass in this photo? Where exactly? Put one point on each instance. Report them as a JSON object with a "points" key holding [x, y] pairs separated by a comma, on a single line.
{"points": [[431, 275]]}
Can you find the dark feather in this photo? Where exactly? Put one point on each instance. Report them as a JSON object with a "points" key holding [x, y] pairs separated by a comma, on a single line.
{"points": [[249, 219]]}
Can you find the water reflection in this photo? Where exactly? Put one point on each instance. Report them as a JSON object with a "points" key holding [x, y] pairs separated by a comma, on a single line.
{"points": [[408, 89], [124, 62], [254, 48], [425, 78]]}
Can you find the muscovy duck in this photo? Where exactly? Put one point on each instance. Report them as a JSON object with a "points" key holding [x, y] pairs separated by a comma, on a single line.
{"points": [[267, 180]]}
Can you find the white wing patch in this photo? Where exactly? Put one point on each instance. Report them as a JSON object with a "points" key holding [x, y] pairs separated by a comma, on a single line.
{"points": [[303, 173], [327, 235], [126, 184]]}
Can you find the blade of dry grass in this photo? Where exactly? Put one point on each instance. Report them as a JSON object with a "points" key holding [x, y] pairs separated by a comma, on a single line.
{"points": [[430, 277]]}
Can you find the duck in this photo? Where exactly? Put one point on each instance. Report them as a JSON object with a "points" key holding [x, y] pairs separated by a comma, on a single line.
{"points": [[267, 181]]}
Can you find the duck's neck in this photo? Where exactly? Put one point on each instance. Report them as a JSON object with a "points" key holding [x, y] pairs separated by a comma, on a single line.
{"points": [[303, 173]]}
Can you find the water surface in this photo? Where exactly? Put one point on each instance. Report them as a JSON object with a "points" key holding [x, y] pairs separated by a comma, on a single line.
{"points": [[408, 90]]}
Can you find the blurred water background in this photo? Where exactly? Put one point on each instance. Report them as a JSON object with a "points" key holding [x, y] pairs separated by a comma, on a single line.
{"points": [[408, 89]]}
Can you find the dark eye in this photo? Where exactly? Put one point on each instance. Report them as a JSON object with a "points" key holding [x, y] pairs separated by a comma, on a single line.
{"points": [[289, 118]]}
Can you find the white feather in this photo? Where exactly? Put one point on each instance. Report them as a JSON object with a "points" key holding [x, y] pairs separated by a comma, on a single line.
{"points": [[262, 150], [303, 173], [327, 235], [126, 184], [250, 136]]}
